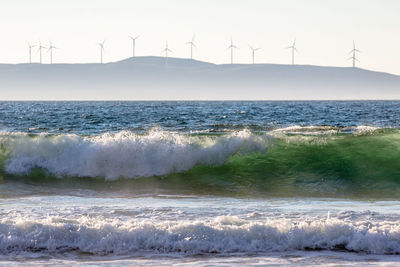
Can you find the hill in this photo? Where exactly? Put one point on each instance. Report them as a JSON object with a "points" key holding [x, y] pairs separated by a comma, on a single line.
{"points": [[155, 78]]}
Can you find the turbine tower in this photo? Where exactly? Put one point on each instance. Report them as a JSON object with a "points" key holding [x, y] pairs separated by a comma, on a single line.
{"points": [[294, 49], [191, 43], [101, 51], [354, 52], [134, 44], [253, 51], [166, 50], [50, 49], [40, 47], [231, 47], [30, 51]]}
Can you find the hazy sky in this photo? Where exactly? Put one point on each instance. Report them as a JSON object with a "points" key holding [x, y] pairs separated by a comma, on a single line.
{"points": [[324, 29]]}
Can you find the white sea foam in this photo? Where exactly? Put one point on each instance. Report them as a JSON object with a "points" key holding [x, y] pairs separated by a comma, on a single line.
{"points": [[104, 236], [108, 228], [123, 154], [359, 130], [323, 130], [307, 130]]}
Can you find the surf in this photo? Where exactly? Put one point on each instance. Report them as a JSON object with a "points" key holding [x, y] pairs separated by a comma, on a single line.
{"points": [[121, 155], [222, 235], [302, 161]]}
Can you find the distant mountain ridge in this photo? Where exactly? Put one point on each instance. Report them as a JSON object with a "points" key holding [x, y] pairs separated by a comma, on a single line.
{"points": [[157, 78]]}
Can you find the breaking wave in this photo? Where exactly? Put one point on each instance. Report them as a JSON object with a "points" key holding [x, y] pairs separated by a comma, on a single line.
{"points": [[220, 235], [124, 154], [308, 161]]}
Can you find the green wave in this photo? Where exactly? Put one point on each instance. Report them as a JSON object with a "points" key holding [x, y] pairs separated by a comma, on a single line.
{"points": [[344, 165], [338, 166]]}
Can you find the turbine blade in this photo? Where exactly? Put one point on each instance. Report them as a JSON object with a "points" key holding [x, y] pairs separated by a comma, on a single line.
{"points": [[30, 45]]}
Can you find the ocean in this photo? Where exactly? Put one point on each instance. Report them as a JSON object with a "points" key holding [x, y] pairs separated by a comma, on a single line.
{"points": [[213, 183]]}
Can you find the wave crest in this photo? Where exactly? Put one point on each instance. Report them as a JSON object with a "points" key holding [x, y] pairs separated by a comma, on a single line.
{"points": [[123, 154]]}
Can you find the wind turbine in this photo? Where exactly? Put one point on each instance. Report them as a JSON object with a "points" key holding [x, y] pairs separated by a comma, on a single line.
{"points": [[134, 44], [293, 47], [253, 50], [101, 51], [40, 47], [191, 43], [231, 47], [354, 55], [30, 51], [166, 50], [50, 49]]}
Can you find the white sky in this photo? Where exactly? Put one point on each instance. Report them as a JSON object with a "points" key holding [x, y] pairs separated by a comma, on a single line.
{"points": [[324, 29]]}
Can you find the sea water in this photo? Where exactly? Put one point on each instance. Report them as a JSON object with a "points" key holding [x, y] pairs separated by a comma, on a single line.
{"points": [[202, 183]]}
